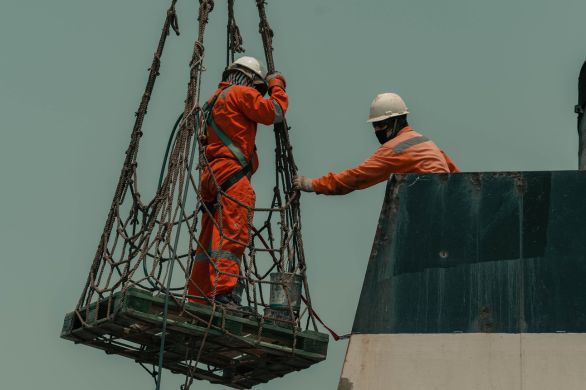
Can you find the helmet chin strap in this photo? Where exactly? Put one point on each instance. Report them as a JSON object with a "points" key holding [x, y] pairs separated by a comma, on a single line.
{"points": [[392, 133]]}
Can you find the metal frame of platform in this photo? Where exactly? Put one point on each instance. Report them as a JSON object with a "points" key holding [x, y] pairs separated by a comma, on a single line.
{"points": [[233, 350]]}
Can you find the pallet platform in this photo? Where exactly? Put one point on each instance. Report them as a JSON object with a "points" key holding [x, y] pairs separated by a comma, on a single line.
{"points": [[237, 352]]}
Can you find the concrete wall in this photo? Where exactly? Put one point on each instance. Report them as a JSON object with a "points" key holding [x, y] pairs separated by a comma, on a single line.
{"points": [[465, 361]]}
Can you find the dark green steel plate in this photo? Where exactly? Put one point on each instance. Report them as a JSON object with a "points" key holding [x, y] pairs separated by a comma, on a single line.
{"points": [[478, 252]]}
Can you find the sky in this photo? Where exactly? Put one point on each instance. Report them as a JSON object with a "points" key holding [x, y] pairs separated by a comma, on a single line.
{"points": [[493, 83]]}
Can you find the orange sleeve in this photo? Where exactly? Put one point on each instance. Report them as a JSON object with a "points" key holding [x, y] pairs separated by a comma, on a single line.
{"points": [[261, 110], [451, 164], [375, 169]]}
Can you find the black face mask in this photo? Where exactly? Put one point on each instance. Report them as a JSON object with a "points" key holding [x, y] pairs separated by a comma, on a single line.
{"points": [[261, 88], [388, 129], [385, 129], [382, 136]]}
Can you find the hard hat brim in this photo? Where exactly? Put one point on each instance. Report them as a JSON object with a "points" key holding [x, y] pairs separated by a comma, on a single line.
{"points": [[383, 117], [378, 118]]}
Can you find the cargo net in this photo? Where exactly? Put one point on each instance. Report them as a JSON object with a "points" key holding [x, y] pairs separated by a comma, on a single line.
{"points": [[150, 246]]}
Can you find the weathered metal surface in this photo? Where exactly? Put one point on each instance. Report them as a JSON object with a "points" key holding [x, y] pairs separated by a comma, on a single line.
{"points": [[478, 252], [286, 291]]}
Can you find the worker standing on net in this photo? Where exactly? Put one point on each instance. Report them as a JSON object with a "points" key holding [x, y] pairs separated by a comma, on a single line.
{"points": [[402, 150], [233, 112]]}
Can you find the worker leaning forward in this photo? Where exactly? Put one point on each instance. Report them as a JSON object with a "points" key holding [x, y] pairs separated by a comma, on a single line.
{"points": [[402, 150], [234, 111]]}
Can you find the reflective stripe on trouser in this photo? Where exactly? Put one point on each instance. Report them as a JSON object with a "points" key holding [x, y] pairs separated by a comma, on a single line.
{"points": [[217, 260]]}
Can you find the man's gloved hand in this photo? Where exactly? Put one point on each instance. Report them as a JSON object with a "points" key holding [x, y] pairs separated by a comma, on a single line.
{"points": [[276, 79], [302, 183]]}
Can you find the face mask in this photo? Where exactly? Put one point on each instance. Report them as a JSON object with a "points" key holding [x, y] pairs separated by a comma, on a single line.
{"points": [[381, 135], [386, 130], [261, 87]]}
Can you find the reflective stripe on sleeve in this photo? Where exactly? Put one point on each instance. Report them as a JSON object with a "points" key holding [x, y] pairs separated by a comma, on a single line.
{"points": [[408, 143], [278, 113]]}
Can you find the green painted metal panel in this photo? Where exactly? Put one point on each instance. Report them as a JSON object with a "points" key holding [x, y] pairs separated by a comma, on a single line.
{"points": [[478, 252]]}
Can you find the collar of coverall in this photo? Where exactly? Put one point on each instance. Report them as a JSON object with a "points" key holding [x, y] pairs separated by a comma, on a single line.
{"points": [[224, 84], [404, 130]]}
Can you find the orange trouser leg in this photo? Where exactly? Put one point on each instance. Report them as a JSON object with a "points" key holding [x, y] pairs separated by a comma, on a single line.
{"points": [[223, 239]]}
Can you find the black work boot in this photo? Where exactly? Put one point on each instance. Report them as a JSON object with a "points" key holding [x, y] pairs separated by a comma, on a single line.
{"points": [[227, 301]]}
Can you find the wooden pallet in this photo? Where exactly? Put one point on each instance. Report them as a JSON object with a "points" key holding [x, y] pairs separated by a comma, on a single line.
{"points": [[237, 351]]}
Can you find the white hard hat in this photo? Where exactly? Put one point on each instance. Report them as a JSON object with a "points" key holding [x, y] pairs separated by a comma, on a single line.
{"points": [[386, 105], [249, 63]]}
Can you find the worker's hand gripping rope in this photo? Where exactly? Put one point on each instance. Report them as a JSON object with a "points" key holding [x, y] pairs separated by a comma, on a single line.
{"points": [[276, 79], [302, 183]]}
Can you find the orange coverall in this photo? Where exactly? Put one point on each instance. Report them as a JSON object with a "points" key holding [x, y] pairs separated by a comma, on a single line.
{"points": [[408, 152], [237, 112]]}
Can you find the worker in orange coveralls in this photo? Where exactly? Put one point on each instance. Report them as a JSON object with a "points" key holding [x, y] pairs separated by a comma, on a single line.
{"points": [[234, 109], [402, 150]]}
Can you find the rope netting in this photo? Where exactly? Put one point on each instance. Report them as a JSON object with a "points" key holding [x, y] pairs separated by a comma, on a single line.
{"points": [[151, 245]]}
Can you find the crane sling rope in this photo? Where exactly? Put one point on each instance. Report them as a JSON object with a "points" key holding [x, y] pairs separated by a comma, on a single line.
{"points": [[142, 243]]}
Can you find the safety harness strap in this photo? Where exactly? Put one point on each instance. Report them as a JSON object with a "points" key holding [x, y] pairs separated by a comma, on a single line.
{"points": [[233, 179], [225, 186], [207, 108]]}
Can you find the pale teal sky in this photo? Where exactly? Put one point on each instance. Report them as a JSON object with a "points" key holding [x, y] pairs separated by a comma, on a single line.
{"points": [[492, 82]]}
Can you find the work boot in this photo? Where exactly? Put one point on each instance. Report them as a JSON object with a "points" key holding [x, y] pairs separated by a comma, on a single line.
{"points": [[227, 301]]}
